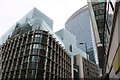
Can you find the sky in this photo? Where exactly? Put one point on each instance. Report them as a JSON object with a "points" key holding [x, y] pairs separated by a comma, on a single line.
{"points": [[59, 11]]}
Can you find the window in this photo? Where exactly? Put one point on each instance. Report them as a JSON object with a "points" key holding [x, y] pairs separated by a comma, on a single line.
{"points": [[17, 52], [27, 51], [48, 65], [31, 73], [24, 40], [37, 35], [23, 72], [40, 75], [37, 38], [70, 48], [33, 58], [32, 65], [19, 63], [22, 51], [34, 52], [17, 74], [29, 39], [41, 63], [25, 65], [43, 47], [25, 60], [36, 46], [44, 39], [11, 76], [29, 46]]}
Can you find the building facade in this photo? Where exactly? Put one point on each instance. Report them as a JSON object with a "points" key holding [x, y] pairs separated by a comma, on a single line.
{"points": [[79, 24], [106, 15], [35, 55], [34, 18], [87, 70], [31, 50], [69, 41]]}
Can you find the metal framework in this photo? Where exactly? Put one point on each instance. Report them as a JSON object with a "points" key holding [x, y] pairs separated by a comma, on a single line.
{"points": [[35, 55]]}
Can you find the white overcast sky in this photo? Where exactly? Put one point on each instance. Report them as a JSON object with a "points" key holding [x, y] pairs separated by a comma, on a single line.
{"points": [[59, 11]]}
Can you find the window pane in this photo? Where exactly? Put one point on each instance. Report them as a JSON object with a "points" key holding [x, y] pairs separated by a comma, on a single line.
{"points": [[33, 58], [44, 39], [23, 73], [27, 51], [32, 65], [25, 59], [43, 47], [25, 65], [34, 52], [36, 46], [31, 73]]}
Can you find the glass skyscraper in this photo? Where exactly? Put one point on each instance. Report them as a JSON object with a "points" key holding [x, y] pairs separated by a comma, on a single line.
{"points": [[80, 25]]}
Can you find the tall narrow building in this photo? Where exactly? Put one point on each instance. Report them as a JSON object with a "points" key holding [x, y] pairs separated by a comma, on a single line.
{"points": [[31, 51], [79, 24]]}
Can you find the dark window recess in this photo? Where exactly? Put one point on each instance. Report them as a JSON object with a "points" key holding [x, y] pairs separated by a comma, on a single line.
{"points": [[29, 39], [27, 52], [24, 65], [47, 76], [31, 74], [34, 52], [42, 52], [23, 72], [33, 58], [16, 74], [32, 65], [41, 63], [71, 48], [44, 39], [40, 74], [11, 76]]}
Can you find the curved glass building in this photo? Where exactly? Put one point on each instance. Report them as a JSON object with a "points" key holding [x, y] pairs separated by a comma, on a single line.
{"points": [[80, 25]]}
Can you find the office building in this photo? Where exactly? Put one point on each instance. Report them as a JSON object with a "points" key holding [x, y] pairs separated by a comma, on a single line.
{"points": [[105, 18], [79, 24], [85, 69], [34, 18], [69, 41], [31, 50]]}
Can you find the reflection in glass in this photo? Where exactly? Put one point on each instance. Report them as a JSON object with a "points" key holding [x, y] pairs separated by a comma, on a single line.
{"points": [[33, 58]]}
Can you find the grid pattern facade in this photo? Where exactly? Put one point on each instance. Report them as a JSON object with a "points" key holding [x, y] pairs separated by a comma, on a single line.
{"points": [[90, 70], [35, 55]]}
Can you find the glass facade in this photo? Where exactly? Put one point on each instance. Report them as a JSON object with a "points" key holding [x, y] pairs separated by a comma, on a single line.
{"points": [[79, 24], [31, 50], [25, 58], [31, 21]]}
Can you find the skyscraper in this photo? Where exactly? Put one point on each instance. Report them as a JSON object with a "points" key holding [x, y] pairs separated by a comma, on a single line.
{"points": [[69, 41], [79, 24], [32, 51]]}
